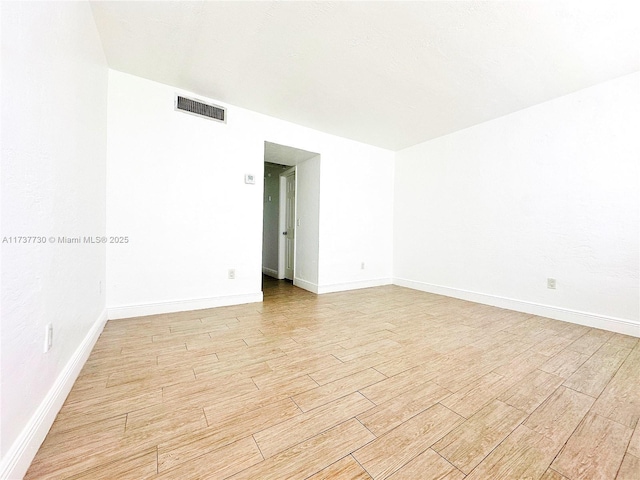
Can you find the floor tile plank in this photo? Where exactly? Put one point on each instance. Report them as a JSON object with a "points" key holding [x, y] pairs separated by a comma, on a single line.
{"points": [[590, 342], [560, 414], [523, 454], [564, 363], [295, 430], [620, 400], [467, 445], [217, 464], [534, 389], [391, 451], [583, 456], [551, 474], [594, 374], [131, 468], [311, 456], [634, 444], [345, 469], [428, 466], [392, 413], [331, 391], [476, 395], [222, 431], [390, 387], [630, 468]]}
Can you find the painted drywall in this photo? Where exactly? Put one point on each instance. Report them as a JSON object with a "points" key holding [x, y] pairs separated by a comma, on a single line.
{"points": [[307, 222], [54, 106], [270, 227], [490, 212], [175, 187], [355, 219]]}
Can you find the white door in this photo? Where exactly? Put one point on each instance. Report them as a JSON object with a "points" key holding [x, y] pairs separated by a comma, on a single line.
{"points": [[290, 224]]}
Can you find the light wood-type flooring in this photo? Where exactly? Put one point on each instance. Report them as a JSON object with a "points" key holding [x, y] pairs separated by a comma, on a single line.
{"points": [[377, 383]]}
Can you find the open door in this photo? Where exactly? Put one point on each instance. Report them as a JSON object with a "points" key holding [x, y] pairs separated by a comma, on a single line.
{"points": [[288, 184]]}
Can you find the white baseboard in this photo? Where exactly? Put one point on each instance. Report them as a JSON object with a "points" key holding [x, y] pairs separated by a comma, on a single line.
{"points": [[18, 458], [142, 310], [341, 287], [618, 325], [270, 271], [311, 287]]}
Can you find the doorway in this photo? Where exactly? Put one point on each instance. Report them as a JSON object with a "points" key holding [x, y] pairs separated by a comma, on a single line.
{"points": [[291, 214]]}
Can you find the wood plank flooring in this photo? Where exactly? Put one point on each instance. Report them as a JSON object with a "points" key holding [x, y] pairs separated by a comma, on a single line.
{"points": [[377, 383]]}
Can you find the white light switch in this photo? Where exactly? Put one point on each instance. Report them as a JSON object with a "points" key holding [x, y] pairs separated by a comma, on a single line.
{"points": [[249, 178]]}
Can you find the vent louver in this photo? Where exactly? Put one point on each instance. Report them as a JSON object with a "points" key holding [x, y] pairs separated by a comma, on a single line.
{"points": [[196, 107]]}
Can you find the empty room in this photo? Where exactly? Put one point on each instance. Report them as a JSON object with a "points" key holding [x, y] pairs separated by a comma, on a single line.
{"points": [[320, 240]]}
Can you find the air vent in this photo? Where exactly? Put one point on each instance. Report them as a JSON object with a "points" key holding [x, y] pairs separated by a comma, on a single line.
{"points": [[195, 107]]}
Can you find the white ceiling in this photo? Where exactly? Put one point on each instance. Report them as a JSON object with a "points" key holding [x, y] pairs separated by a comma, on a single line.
{"points": [[387, 73]]}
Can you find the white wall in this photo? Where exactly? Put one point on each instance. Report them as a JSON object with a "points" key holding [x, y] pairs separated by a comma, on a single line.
{"points": [[490, 212], [54, 100], [354, 220], [308, 223], [175, 187]]}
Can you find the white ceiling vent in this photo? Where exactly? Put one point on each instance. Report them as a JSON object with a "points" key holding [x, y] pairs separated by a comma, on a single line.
{"points": [[196, 107]]}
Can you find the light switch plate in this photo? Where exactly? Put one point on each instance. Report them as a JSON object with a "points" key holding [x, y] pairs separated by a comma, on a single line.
{"points": [[250, 178]]}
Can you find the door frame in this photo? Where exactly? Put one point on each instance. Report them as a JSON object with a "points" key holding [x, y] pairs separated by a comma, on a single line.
{"points": [[282, 212]]}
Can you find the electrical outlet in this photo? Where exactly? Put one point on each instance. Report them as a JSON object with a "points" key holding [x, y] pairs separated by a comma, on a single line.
{"points": [[362, 266], [48, 337], [551, 283], [232, 273]]}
